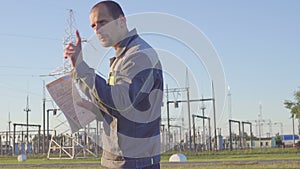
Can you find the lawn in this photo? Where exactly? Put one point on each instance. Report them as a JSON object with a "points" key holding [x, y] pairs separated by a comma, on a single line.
{"points": [[237, 159]]}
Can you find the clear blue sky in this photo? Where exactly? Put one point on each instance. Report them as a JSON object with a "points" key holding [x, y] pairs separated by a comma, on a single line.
{"points": [[258, 43]]}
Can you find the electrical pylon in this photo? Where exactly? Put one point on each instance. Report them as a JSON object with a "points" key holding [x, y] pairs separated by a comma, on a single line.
{"points": [[68, 37]]}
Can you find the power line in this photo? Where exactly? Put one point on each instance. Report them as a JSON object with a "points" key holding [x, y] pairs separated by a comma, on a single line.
{"points": [[18, 75], [29, 36], [15, 89], [23, 67]]}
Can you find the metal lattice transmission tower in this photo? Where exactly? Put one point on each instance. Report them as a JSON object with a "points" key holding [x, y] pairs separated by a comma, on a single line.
{"points": [[63, 69], [69, 37], [27, 110]]}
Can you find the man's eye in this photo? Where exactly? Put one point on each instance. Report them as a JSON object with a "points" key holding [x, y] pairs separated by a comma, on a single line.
{"points": [[102, 23]]}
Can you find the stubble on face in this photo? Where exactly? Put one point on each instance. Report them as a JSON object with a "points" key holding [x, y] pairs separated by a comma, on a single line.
{"points": [[105, 26]]}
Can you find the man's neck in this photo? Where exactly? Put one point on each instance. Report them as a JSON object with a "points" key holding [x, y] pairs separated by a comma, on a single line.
{"points": [[125, 33]]}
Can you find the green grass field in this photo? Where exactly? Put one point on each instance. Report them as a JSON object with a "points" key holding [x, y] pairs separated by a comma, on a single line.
{"points": [[237, 159], [185, 166]]}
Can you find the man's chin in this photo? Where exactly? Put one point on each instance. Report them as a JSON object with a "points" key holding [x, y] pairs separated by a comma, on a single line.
{"points": [[104, 44]]}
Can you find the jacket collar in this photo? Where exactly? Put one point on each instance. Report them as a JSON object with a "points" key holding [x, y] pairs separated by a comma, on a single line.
{"points": [[125, 42]]}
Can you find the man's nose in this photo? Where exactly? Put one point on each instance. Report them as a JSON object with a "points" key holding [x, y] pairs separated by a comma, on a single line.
{"points": [[97, 29]]}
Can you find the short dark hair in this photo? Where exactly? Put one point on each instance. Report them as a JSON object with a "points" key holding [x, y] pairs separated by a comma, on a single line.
{"points": [[114, 8]]}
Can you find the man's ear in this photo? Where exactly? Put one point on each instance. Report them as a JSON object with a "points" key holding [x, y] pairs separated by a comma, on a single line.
{"points": [[122, 20]]}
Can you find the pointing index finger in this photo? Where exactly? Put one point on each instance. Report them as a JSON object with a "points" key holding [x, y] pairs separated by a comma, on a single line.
{"points": [[78, 38]]}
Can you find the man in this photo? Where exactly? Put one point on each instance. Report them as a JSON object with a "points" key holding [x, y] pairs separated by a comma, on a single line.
{"points": [[130, 101]]}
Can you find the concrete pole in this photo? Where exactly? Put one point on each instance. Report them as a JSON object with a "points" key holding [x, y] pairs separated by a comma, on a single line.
{"points": [[189, 115]]}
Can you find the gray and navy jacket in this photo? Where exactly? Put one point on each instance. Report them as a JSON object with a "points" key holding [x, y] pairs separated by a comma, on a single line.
{"points": [[129, 102]]}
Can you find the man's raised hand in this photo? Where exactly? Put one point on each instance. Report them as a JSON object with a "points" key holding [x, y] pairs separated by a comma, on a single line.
{"points": [[73, 51]]}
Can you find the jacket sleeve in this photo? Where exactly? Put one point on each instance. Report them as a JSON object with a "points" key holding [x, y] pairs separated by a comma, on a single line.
{"points": [[134, 82], [88, 82]]}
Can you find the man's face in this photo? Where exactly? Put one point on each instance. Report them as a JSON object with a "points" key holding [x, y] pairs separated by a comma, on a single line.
{"points": [[107, 29]]}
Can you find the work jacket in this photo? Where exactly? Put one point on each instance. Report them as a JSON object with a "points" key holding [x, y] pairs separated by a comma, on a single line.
{"points": [[129, 102]]}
